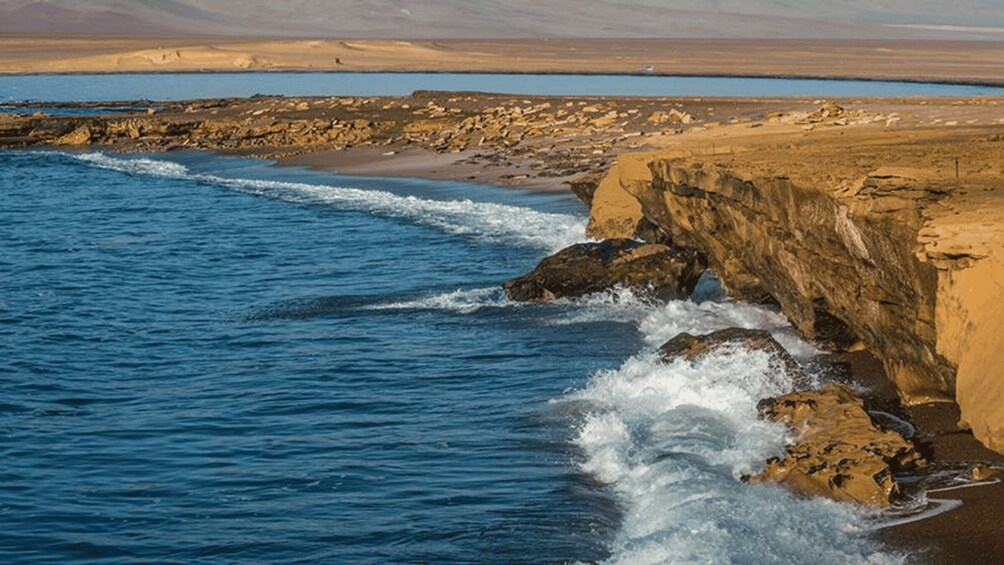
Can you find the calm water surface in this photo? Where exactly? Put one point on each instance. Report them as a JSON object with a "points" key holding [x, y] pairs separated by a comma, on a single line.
{"points": [[158, 86]]}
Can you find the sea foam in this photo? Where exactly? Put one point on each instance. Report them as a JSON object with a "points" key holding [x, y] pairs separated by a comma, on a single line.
{"points": [[672, 440], [516, 225], [461, 301]]}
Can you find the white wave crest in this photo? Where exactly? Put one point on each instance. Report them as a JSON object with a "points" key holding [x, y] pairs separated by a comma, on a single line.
{"points": [[679, 316], [459, 301], [660, 322], [484, 220], [618, 304]]}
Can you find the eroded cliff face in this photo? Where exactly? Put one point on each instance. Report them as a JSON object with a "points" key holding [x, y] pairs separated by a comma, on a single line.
{"points": [[905, 260]]}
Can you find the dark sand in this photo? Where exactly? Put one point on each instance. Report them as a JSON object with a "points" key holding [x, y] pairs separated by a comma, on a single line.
{"points": [[971, 533]]}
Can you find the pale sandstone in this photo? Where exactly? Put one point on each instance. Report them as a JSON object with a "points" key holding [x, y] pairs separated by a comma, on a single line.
{"points": [[906, 258], [838, 451], [80, 136]]}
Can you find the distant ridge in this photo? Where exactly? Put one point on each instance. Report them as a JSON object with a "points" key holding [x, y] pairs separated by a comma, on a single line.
{"points": [[433, 19]]}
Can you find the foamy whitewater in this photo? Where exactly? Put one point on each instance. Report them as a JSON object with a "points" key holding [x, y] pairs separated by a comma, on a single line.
{"points": [[387, 467], [516, 225], [673, 439]]}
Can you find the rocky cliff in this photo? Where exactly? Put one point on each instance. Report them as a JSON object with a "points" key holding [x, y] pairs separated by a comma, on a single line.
{"points": [[864, 237]]}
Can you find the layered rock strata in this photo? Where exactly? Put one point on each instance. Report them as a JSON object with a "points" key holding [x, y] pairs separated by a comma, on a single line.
{"points": [[893, 241], [657, 270]]}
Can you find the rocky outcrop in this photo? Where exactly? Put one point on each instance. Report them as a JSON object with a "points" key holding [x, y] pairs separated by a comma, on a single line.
{"points": [[838, 452], [80, 136], [658, 270], [549, 138], [691, 347], [907, 261]]}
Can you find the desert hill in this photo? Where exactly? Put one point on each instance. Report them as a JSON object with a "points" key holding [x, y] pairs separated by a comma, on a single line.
{"points": [[444, 19]]}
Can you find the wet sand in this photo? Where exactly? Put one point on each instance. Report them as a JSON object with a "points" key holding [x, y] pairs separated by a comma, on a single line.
{"points": [[414, 162], [972, 533], [978, 62]]}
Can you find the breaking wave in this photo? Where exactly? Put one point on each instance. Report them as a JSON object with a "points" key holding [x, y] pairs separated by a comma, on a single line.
{"points": [[458, 301], [482, 220], [672, 440]]}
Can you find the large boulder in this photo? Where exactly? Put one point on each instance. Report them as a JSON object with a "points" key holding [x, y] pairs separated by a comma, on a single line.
{"points": [[839, 452], [691, 347], [661, 271]]}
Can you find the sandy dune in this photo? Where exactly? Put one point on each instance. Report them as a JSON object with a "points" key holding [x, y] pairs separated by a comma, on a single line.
{"points": [[979, 62]]}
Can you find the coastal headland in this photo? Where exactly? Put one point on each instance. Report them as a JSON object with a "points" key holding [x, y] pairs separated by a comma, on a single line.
{"points": [[876, 225]]}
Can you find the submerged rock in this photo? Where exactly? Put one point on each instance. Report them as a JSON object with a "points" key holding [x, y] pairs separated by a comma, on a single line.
{"points": [[691, 347], [839, 452], [661, 271]]}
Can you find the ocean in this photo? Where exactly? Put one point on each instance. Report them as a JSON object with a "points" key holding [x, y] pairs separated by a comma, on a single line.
{"points": [[214, 359]]}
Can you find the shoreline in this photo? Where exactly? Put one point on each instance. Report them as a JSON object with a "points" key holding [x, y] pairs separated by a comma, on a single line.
{"points": [[418, 163], [945, 537], [367, 145]]}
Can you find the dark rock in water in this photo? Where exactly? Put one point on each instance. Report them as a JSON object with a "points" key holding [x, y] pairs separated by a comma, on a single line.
{"points": [[691, 347], [664, 272], [839, 453]]}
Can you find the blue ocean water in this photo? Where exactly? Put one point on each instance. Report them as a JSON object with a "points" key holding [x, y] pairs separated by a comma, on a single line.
{"points": [[209, 359]]}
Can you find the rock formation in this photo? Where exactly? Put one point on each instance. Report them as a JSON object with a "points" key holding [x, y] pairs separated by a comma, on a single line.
{"points": [[838, 452], [547, 138], [658, 270], [907, 261]]}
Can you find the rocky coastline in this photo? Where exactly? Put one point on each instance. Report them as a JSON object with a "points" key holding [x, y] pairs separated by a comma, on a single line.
{"points": [[876, 226]]}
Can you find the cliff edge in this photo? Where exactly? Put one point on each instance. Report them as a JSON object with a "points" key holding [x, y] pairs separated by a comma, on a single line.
{"points": [[865, 235]]}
